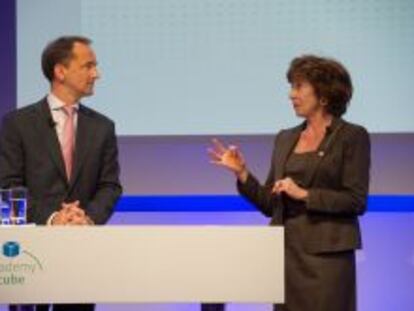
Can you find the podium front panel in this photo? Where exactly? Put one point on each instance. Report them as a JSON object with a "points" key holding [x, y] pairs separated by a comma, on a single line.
{"points": [[133, 264]]}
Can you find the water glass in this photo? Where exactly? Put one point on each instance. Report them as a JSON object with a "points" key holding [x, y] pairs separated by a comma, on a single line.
{"points": [[13, 205]]}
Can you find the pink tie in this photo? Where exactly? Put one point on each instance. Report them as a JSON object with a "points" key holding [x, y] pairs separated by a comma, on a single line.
{"points": [[68, 141]]}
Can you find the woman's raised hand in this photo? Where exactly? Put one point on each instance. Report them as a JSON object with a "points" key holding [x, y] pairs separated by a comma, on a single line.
{"points": [[229, 157]]}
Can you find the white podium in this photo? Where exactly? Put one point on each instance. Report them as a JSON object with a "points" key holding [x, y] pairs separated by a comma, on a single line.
{"points": [[134, 264]]}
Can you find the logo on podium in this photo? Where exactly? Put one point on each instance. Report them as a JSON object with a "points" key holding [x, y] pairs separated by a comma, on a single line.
{"points": [[17, 264]]}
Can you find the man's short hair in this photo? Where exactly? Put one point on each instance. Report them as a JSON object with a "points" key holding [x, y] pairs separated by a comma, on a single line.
{"points": [[59, 51]]}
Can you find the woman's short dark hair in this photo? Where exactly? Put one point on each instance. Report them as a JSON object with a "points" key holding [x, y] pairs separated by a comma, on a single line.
{"points": [[329, 78], [59, 51]]}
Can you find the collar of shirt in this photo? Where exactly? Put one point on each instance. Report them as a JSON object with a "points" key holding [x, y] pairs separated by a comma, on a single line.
{"points": [[57, 104], [58, 115]]}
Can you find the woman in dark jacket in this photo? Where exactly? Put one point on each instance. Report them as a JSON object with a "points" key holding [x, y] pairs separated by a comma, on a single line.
{"points": [[316, 188]]}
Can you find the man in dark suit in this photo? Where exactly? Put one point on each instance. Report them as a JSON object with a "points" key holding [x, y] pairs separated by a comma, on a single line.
{"points": [[64, 153]]}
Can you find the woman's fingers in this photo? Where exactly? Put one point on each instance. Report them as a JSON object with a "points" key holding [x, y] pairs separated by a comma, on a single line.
{"points": [[218, 146], [218, 159], [229, 157], [214, 156], [276, 187], [280, 186]]}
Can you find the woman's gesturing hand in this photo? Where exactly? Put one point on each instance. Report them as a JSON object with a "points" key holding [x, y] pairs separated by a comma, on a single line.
{"points": [[229, 157]]}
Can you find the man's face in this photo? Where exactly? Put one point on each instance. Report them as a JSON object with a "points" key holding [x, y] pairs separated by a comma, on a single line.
{"points": [[80, 73]]}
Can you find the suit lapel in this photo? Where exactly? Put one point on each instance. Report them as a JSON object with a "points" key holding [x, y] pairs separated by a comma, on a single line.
{"points": [[45, 126], [289, 143], [286, 147], [85, 132], [322, 150]]}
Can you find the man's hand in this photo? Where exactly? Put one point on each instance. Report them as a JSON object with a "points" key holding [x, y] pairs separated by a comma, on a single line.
{"points": [[71, 214]]}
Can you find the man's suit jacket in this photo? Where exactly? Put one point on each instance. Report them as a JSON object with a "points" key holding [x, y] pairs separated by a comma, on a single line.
{"points": [[30, 155], [337, 183]]}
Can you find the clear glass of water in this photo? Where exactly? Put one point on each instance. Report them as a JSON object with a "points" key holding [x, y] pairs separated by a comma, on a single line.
{"points": [[13, 204], [4, 207]]}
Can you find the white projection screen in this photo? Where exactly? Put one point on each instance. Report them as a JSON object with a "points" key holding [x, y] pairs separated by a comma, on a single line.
{"points": [[199, 67]]}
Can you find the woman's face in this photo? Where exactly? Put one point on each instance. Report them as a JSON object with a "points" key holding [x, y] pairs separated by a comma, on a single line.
{"points": [[304, 100]]}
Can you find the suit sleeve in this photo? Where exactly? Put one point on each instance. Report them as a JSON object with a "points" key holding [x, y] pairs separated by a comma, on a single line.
{"points": [[11, 154], [260, 195], [351, 198], [108, 187]]}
